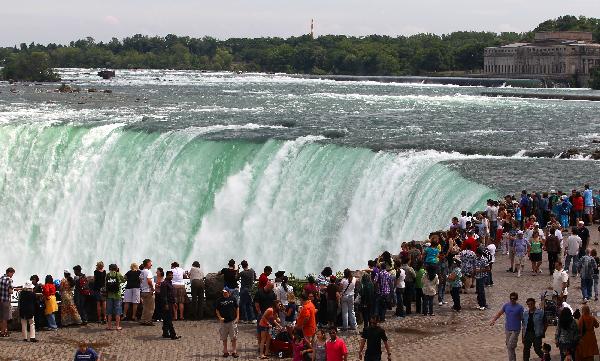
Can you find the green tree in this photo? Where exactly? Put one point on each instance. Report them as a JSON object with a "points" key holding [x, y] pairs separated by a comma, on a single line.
{"points": [[34, 66]]}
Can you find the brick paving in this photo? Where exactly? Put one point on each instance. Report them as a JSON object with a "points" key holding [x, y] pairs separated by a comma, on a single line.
{"points": [[445, 336]]}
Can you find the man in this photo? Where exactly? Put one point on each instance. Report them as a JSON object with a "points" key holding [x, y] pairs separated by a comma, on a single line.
{"points": [[584, 234], [588, 200], [384, 283], [521, 247], [470, 243], [114, 296], [481, 272], [167, 295], [512, 324], [553, 248], [228, 313], [409, 285], [247, 278], [587, 265], [335, 348], [560, 281], [573, 243], [373, 336], [196, 276], [147, 293], [307, 318], [400, 284], [264, 277], [534, 329], [6, 290], [82, 291], [231, 275]]}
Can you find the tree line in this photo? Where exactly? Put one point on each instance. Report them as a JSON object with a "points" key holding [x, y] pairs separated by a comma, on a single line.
{"points": [[421, 54]]}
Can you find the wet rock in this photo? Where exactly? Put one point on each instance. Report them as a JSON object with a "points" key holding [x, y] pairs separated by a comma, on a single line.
{"points": [[64, 88], [107, 91], [595, 155], [334, 133], [106, 74], [570, 153], [596, 141], [92, 90], [540, 154]]}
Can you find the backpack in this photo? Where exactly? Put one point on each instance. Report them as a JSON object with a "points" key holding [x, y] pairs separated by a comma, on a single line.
{"points": [[112, 283], [83, 286]]}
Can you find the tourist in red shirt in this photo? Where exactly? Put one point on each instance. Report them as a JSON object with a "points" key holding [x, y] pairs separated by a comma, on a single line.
{"points": [[264, 277], [335, 348], [470, 243]]}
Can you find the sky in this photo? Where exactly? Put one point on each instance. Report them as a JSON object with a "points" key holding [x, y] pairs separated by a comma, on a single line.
{"points": [[61, 21]]}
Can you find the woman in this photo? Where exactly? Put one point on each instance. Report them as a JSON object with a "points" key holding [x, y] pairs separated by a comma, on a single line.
{"points": [[430, 283], [301, 349], [333, 300], [348, 286], [132, 291], [196, 276], [367, 298], [50, 305], [281, 292], [68, 312], [567, 334], [588, 345], [319, 353], [100, 291], [535, 252], [180, 293], [268, 320], [158, 309]]}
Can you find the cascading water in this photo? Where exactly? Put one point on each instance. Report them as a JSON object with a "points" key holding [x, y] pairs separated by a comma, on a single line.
{"points": [[75, 195]]}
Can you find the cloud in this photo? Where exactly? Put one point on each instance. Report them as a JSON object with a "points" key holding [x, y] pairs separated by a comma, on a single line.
{"points": [[111, 20]]}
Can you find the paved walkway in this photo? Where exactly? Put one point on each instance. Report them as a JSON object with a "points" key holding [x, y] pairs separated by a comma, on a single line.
{"points": [[464, 336]]}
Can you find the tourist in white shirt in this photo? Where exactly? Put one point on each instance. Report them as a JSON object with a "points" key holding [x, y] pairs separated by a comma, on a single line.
{"points": [[347, 286], [560, 277], [400, 286], [179, 287], [196, 277], [147, 293], [572, 245]]}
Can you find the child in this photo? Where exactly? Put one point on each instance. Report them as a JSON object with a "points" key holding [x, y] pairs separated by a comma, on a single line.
{"points": [[290, 312], [27, 304], [419, 286], [319, 346], [86, 353], [301, 347], [546, 348], [430, 283], [455, 280]]}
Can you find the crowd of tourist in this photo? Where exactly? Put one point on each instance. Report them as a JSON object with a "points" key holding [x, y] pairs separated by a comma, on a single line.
{"points": [[409, 283]]}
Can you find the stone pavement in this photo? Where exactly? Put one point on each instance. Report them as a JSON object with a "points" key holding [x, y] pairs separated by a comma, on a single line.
{"points": [[445, 336]]}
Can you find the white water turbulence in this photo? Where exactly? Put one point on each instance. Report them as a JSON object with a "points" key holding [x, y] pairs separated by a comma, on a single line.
{"points": [[76, 195]]}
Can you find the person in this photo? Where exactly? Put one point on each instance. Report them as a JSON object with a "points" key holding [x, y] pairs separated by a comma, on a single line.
{"points": [[584, 234], [594, 254], [546, 348], [147, 293], [307, 318], [534, 329], [521, 247], [552, 247], [158, 304], [535, 252], [168, 300], [367, 298], [268, 319], [290, 312], [263, 279], [455, 284], [132, 291], [301, 348], [228, 313], [442, 271], [85, 352], [263, 299], [373, 336], [39, 307], [587, 347], [100, 292], [281, 292], [50, 304], [420, 273], [247, 278], [567, 334], [430, 283], [586, 268], [333, 300], [560, 281], [409, 285], [6, 290], [27, 303], [400, 285], [348, 285], [318, 346], [198, 283], [114, 297], [82, 292], [572, 245], [588, 200], [335, 347], [231, 275], [68, 312], [481, 271], [513, 312], [180, 294]]}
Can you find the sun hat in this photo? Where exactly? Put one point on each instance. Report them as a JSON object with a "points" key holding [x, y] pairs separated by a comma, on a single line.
{"points": [[28, 285]]}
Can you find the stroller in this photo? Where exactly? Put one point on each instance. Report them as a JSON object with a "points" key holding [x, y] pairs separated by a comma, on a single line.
{"points": [[550, 301], [281, 344]]}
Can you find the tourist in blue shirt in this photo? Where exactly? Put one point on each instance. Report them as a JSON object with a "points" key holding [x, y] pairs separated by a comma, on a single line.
{"points": [[588, 202], [534, 329], [86, 353], [512, 324]]}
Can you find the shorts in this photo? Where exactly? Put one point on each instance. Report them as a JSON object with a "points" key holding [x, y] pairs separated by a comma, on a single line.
{"points": [[535, 257], [260, 328], [114, 307], [520, 259], [5, 311], [589, 210], [180, 294], [228, 329], [132, 295], [100, 296]]}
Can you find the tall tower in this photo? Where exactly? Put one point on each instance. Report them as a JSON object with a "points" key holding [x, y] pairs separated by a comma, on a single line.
{"points": [[312, 28]]}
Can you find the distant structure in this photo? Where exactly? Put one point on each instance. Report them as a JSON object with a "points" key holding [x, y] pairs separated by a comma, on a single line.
{"points": [[312, 28], [556, 57]]}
